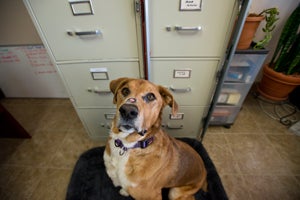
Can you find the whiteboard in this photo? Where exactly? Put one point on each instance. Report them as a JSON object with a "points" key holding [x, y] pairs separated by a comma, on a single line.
{"points": [[27, 71]]}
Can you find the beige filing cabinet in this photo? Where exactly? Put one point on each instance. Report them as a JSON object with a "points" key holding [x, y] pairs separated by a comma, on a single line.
{"points": [[187, 42], [91, 42], [94, 41]]}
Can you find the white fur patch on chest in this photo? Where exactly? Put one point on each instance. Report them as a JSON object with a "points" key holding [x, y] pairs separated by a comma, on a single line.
{"points": [[116, 164]]}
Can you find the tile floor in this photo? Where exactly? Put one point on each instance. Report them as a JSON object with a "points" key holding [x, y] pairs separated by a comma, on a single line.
{"points": [[257, 158]]}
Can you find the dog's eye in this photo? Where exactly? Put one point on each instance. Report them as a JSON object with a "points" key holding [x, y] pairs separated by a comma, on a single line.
{"points": [[125, 91], [149, 97]]}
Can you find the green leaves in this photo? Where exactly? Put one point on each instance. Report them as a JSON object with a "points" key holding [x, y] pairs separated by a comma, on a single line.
{"points": [[270, 17], [287, 53]]}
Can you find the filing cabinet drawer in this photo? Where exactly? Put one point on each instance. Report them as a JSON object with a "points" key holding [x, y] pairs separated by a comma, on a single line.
{"points": [[97, 121], [190, 81], [185, 33], [187, 122], [88, 83], [96, 29]]}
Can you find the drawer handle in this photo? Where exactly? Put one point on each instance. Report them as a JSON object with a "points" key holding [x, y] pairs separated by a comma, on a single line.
{"points": [[174, 127], [180, 90], [100, 92], [84, 33], [186, 28], [104, 92]]}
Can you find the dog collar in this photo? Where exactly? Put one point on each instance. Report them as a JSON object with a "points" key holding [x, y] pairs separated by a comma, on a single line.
{"points": [[142, 133], [140, 144]]}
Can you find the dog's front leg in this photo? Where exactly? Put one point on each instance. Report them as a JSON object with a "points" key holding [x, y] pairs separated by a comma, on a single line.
{"points": [[124, 192], [112, 173], [111, 170]]}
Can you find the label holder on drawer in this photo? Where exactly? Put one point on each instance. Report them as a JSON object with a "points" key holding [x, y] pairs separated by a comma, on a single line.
{"points": [[99, 73], [81, 7], [191, 5], [178, 116], [182, 73], [109, 116]]}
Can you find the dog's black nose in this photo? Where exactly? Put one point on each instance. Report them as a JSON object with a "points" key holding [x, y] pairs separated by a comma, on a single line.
{"points": [[128, 111]]}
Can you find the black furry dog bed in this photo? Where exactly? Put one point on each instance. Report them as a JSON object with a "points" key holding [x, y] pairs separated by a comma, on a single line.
{"points": [[90, 181]]}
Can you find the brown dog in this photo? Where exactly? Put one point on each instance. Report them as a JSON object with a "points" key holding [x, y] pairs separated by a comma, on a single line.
{"points": [[139, 156]]}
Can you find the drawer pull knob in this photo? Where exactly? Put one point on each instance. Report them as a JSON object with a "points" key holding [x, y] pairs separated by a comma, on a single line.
{"points": [[186, 28], [84, 33], [174, 127], [180, 90]]}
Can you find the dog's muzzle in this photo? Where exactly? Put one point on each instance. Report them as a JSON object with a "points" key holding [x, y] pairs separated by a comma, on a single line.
{"points": [[128, 112], [128, 115]]}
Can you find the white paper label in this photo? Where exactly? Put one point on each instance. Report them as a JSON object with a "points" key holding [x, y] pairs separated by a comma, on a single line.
{"points": [[109, 116], [102, 69], [182, 73], [190, 4], [178, 116]]}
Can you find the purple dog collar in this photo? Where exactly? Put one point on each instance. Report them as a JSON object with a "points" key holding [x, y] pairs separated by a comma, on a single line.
{"points": [[140, 144]]}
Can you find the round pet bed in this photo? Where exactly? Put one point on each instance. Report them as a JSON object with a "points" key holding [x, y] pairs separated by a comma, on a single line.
{"points": [[89, 180]]}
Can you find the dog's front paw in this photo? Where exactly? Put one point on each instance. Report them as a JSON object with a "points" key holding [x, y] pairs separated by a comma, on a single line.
{"points": [[123, 192]]}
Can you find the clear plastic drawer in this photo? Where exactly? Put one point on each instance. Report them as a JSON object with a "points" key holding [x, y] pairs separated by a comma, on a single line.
{"points": [[245, 66], [223, 115], [233, 93]]}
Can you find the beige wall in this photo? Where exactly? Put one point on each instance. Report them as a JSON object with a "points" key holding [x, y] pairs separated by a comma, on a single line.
{"points": [[16, 27]]}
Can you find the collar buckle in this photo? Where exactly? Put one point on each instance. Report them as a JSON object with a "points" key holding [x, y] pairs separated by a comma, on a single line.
{"points": [[140, 144], [145, 143]]}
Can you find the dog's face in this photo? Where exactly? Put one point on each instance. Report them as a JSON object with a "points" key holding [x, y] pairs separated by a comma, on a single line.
{"points": [[139, 104]]}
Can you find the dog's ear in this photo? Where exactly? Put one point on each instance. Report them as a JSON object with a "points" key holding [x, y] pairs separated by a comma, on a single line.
{"points": [[168, 99], [115, 85]]}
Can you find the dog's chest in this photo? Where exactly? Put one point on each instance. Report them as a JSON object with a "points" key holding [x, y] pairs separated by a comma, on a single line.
{"points": [[119, 158], [116, 165]]}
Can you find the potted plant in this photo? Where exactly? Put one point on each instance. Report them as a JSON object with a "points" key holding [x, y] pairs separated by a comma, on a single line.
{"points": [[251, 24], [281, 75]]}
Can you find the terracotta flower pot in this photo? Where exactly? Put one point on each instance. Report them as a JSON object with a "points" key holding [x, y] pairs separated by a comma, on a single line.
{"points": [[275, 85], [249, 30]]}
